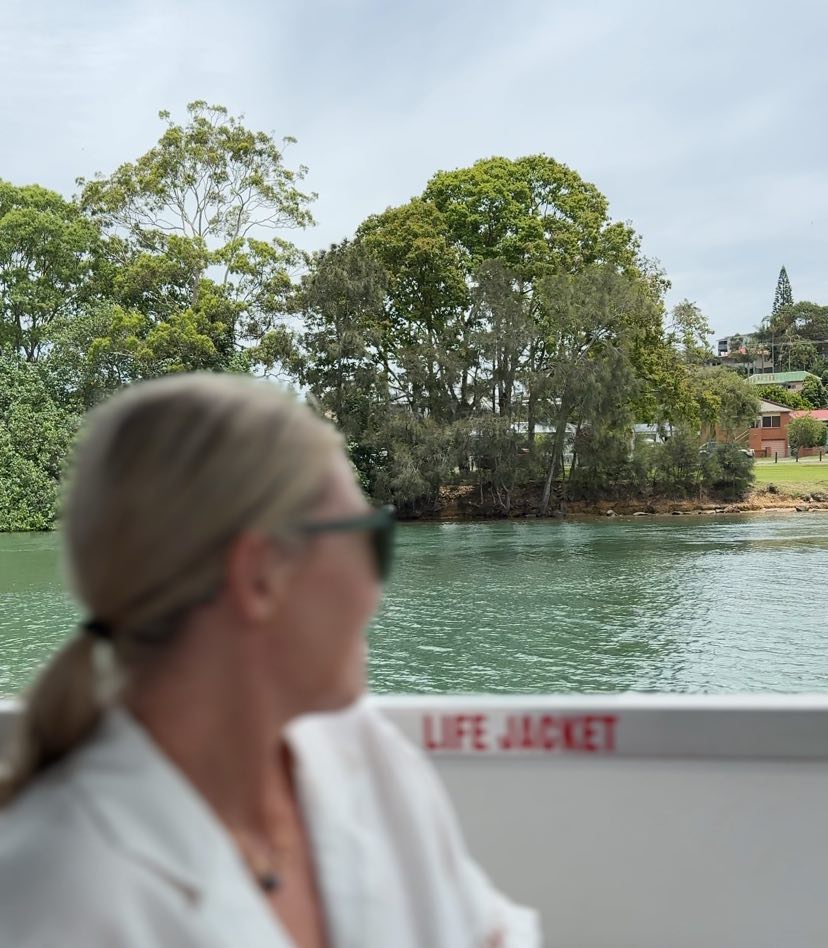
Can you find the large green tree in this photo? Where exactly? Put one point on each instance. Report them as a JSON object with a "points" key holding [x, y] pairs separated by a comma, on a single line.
{"points": [[797, 335], [49, 252], [728, 403], [510, 303], [689, 332], [195, 243]]}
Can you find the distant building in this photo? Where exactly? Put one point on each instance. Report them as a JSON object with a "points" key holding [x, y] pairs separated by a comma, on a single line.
{"points": [[769, 433], [735, 352], [733, 344], [792, 381]]}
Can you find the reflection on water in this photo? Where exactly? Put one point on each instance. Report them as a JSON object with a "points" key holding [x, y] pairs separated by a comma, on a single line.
{"points": [[691, 604], [683, 605]]}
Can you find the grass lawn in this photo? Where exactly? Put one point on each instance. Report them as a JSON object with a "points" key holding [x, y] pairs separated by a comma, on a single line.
{"points": [[808, 474]]}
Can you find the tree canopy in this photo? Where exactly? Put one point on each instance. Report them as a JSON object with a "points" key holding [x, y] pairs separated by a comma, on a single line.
{"points": [[784, 295], [498, 331]]}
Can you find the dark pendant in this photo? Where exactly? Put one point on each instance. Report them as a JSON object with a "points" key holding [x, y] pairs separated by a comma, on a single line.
{"points": [[269, 881]]}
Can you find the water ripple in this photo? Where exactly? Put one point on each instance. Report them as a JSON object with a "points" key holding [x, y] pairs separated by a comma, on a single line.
{"points": [[670, 604]]}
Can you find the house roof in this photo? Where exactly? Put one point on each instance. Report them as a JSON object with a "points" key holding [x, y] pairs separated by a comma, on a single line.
{"points": [[821, 414], [779, 378], [772, 407]]}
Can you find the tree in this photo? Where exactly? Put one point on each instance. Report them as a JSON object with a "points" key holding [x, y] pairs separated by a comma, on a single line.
{"points": [[815, 393], [501, 459], [186, 223], [727, 401], [803, 320], [426, 347], [35, 436], [729, 472], [782, 396], [341, 305], [537, 218], [508, 294], [783, 295], [48, 257], [806, 432], [678, 465], [797, 334], [534, 214], [594, 325], [689, 333], [794, 353]]}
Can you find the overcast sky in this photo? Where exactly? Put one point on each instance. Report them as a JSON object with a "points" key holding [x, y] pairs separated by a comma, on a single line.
{"points": [[703, 123]]}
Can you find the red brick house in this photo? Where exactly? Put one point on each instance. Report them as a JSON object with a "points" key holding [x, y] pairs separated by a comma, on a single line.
{"points": [[769, 433]]}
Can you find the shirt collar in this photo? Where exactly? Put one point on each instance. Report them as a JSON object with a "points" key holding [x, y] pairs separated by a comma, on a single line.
{"points": [[149, 809]]}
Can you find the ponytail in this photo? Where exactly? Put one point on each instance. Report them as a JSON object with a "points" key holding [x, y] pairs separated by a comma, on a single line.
{"points": [[62, 709]]}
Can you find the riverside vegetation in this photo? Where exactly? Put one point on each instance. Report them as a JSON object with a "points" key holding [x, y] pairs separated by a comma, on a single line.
{"points": [[497, 337]]}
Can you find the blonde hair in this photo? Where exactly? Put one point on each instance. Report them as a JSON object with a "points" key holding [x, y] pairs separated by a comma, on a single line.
{"points": [[165, 474]]}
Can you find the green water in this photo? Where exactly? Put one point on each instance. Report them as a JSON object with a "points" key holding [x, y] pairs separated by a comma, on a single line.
{"points": [[690, 604]]}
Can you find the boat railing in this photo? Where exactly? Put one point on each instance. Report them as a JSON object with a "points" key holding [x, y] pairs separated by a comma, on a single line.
{"points": [[640, 821]]}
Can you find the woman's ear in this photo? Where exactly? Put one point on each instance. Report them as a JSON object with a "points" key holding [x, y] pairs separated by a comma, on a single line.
{"points": [[256, 576]]}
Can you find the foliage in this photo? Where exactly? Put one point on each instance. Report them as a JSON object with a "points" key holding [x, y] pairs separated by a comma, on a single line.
{"points": [[499, 329], [689, 333], [678, 465], [501, 459], [727, 401], [782, 396], [783, 295], [804, 320], [35, 437], [806, 432], [185, 224], [48, 253], [797, 335], [729, 473], [815, 393]]}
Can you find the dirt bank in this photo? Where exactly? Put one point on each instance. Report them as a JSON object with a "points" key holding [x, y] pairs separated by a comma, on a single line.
{"points": [[467, 504]]}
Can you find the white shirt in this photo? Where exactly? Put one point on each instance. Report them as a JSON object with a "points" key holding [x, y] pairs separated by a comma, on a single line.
{"points": [[114, 848]]}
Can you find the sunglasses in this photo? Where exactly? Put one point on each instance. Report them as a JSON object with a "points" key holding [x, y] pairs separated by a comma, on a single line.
{"points": [[380, 524]]}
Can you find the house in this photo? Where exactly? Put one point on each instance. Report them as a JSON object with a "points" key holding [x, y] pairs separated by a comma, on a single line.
{"points": [[768, 435], [737, 344], [792, 381], [743, 353]]}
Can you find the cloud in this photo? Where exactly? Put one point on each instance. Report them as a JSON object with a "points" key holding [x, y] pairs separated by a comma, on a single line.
{"points": [[699, 122]]}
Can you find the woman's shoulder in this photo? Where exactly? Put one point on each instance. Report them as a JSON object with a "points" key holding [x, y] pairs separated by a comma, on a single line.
{"points": [[53, 862], [46, 819]]}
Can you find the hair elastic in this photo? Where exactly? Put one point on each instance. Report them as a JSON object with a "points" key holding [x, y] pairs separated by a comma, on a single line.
{"points": [[97, 628]]}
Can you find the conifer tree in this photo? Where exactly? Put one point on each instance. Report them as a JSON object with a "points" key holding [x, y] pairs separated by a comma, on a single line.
{"points": [[783, 295]]}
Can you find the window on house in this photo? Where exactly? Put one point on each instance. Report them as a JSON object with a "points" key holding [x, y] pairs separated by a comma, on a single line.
{"points": [[771, 421]]}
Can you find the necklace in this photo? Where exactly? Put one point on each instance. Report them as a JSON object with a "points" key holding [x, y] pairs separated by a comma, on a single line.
{"points": [[263, 868]]}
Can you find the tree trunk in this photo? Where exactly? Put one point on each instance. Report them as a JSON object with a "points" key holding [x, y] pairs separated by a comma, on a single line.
{"points": [[557, 456], [530, 423]]}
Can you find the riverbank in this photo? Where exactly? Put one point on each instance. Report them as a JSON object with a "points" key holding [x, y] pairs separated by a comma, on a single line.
{"points": [[468, 503]]}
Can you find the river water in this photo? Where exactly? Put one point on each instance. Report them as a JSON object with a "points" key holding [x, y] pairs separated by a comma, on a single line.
{"points": [[675, 604]]}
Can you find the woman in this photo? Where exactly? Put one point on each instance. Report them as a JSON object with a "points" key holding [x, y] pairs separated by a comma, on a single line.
{"points": [[177, 777]]}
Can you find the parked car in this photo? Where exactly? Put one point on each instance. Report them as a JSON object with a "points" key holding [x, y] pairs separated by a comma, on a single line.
{"points": [[711, 447]]}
